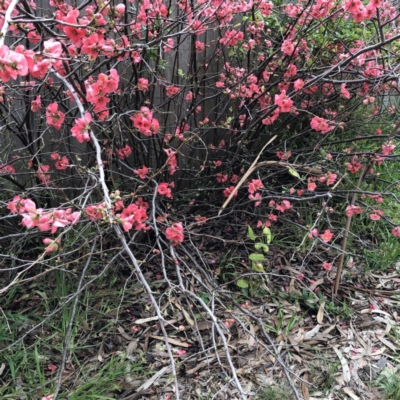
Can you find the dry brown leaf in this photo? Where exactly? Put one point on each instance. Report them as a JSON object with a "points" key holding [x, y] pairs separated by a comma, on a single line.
{"points": [[124, 334], [387, 343], [310, 334], [188, 318], [304, 387], [251, 339], [350, 393], [171, 341], [345, 365], [131, 347], [144, 320], [294, 343], [315, 284], [320, 315]]}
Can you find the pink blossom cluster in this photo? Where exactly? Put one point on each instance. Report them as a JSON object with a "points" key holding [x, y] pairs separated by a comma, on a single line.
{"points": [[171, 161], [231, 37], [38, 218], [12, 63], [61, 163], [321, 125], [97, 92], [124, 152], [145, 123], [282, 207], [21, 62], [175, 233], [81, 130], [132, 216], [7, 169], [359, 12], [254, 186], [54, 117], [163, 189]]}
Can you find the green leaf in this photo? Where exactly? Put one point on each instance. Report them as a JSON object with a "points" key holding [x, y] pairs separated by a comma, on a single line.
{"points": [[250, 233], [294, 173], [257, 267], [267, 233], [263, 246], [256, 257], [242, 283]]}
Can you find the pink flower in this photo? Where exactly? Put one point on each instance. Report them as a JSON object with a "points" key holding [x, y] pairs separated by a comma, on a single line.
{"points": [[283, 156], [124, 152], [143, 84], [229, 322], [199, 46], [36, 105], [62, 163], [283, 102], [53, 245], [171, 161], [81, 128], [74, 34], [351, 210], [171, 90], [255, 197], [388, 148], [52, 48], [189, 97], [311, 186], [312, 233], [298, 84], [133, 217], [54, 117], [19, 206], [164, 190], [43, 175], [376, 215], [327, 266], [144, 122], [234, 178], [200, 220], [327, 236], [175, 233], [320, 124], [354, 166], [287, 47], [12, 64], [285, 205], [142, 172], [344, 92], [7, 169], [221, 178], [396, 231], [255, 185], [228, 191]]}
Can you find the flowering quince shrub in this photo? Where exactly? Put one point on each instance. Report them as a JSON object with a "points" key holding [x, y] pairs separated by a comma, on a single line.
{"points": [[145, 122], [102, 105]]}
